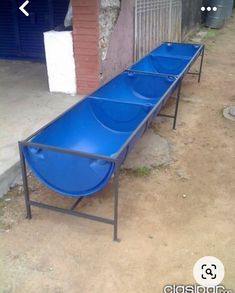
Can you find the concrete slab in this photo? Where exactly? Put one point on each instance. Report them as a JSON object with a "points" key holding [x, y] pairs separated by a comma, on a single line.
{"points": [[25, 105], [152, 151]]}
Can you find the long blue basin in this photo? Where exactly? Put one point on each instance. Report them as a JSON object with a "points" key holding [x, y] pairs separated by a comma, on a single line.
{"points": [[180, 50], [134, 87], [168, 58], [77, 153], [94, 126], [160, 64]]}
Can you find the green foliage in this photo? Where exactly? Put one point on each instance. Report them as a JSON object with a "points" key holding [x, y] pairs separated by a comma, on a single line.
{"points": [[140, 172]]}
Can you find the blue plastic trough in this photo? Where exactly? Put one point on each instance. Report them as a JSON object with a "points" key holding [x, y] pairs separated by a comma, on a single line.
{"points": [[77, 153], [97, 127], [138, 88], [169, 58]]}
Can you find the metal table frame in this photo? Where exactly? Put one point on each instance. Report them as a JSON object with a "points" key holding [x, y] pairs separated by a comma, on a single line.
{"points": [[70, 210], [145, 123]]}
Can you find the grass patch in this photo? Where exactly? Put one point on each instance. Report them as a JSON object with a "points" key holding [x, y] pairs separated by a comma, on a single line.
{"points": [[139, 172], [2, 205], [210, 34]]}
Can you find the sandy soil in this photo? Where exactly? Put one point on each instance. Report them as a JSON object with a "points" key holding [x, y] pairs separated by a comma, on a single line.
{"points": [[168, 218]]}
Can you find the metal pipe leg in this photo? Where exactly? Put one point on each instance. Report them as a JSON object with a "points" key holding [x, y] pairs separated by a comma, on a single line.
{"points": [[202, 58], [177, 105], [115, 192], [76, 203], [25, 183]]}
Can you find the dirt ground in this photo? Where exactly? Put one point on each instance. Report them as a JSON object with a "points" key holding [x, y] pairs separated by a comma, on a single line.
{"points": [[168, 218]]}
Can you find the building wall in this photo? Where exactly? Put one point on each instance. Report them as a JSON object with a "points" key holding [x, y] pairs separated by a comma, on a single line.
{"points": [[103, 35], [191, 16], [86, 44], [108, 15], [120, 42]]}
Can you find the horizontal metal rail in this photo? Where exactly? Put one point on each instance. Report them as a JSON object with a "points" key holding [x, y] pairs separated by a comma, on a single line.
{"points": [[164, 75], [66, 151], [71, 212], [166, 115], [194, 73]]}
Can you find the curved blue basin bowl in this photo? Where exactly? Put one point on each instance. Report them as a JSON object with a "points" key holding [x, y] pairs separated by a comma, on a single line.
{"points": [[180, 50], [161, 64], [138, 88], [168, 58], [98, 127]]}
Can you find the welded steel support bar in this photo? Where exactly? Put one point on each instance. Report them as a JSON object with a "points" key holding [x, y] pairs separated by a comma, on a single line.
{"points": [[176, 107], [201, 64], [115, 194], [71, 211], [166, 115], [25, 182], [76, 203]]}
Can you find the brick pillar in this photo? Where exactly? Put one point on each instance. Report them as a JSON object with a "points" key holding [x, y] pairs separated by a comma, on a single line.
{"points": [[86, 44]]}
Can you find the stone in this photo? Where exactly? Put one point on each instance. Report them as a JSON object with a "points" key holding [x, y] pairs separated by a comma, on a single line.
{"points": [[182, 174], [229, 113]]}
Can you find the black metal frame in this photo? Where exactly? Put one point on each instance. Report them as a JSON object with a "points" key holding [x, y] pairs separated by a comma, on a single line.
{"points": [[201, 64], [201, 53], [176, 108], [70, 210], [114, 159]]}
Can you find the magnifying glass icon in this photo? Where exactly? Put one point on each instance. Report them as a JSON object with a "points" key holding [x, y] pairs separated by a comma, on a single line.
{"points": [[209, 272]]}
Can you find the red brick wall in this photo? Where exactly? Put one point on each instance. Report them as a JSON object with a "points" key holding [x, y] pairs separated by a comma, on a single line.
{"points": [[86, 44]]}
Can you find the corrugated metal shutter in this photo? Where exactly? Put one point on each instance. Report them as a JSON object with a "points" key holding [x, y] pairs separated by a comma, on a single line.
{"points": [[59, 11], [21, 36], [31, 28], [8, 29]]}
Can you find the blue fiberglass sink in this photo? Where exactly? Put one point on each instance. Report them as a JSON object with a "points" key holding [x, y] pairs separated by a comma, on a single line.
{"points": [[168, 58], [138, 88], [78, 152], [180, 50], [93, 126], [160, 64]]}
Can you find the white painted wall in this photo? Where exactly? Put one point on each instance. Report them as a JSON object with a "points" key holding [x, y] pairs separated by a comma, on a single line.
{"points": [[60, 61]]}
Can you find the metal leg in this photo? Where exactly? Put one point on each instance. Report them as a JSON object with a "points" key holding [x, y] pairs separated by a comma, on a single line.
{"points": [[115, 192], [76, 203], [25, 183], [202, 58], [177, 105]]}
